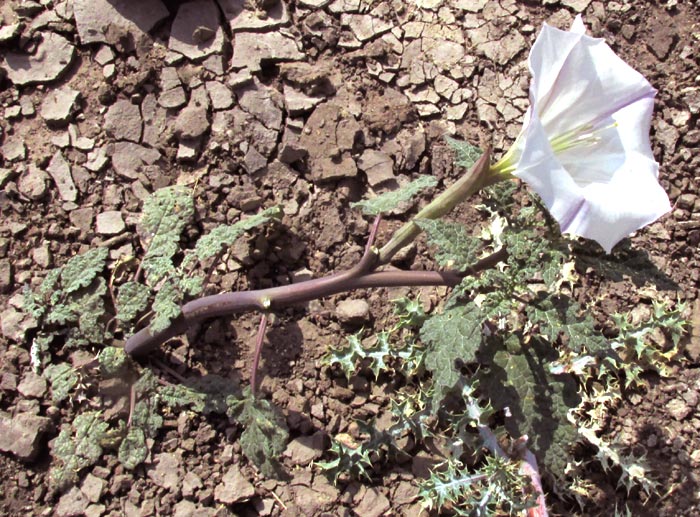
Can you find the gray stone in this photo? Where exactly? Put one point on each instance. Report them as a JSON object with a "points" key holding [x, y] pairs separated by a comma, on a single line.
{"points": [[249, 48], [116, 21], [96, 160], [72, 504], [378, 166], [353, 311], [305, 449], [27, 106], [92, 487], [95, 510], [188, 148], [219, 94], [678, 409], [52, 57], [22, 434], [58, 105], [60, 172], [234, 488], [32, 183], [32, 385], [364, 26], [192, 121], [6, 276], [104, 55], [9, 32], [298, 102], [241, 18], [82, 218], [263, 102], [187, 508], [196, 31], [129, 159], [42, 256], [190, 484], [13, 149], [166, 473], [110, 223], [123, 121], [13, 324]]}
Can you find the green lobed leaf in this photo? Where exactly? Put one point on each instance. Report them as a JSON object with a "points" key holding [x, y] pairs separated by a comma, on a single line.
{"points": [[348, 355], [166, 306], [456, 249], [389, 200], [452, 338], [63, 378], [265, 436], [559, 314], [113, 361], [538, 401], [77, 447], [132, 300], [133, 449], [165, 214], [466, 154], [224, 236], [206, 395], [81, 270]]}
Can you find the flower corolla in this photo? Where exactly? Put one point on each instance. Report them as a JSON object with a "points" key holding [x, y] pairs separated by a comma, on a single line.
{"points": [[584, 146]]}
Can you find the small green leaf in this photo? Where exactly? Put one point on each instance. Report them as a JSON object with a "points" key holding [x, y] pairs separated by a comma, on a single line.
{"points": [[466, 154], [132, 300], [208, 394], [113, 361], [452, 339], [224, 236], [81, 270], [265, 436], [133, 449], [166, 306], [63, 379], [346, 356], [456, 249], [388, 201], [165, 214]]}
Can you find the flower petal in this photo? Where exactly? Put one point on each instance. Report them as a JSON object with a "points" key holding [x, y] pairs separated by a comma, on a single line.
{"points": [[578, 80]]}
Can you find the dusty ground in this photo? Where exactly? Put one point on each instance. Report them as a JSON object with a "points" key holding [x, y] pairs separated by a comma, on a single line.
{"points": [[308, 103]]}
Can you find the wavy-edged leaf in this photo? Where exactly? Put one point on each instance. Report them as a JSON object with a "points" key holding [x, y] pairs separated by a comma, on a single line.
{"points": [[81, 270], [63, 378], [389, 200], [466, 154], [456, 249], [452, 339], [538, 401], [224, 236], [166, 305], [165, 214], [265, 436], [132, 300]]}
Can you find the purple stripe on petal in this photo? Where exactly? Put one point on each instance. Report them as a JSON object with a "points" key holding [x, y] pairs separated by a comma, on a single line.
{"points": [[575, 213]]}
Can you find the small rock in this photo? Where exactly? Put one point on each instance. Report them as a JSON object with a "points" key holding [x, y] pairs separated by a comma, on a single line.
{"points": [[298, 102], [95, 510], [13, 324], [123, 121], [104, 55], [166, 474], [13, 149], [6, 276], [22, 434], [305, 449], [60, 172], [58, 105], [27, 106], [196, 31], [32, 183], [110, 223], [92, 487], [250, 48], [82, 218], [364, 26], [234, 488], [42, 256], [190, 484], [242, 18], [130, 159], [72, 504], [220, 95], [9, 32], [32, 386], [96, 160], [50, 60], [191, 122], [116, 22], [188, 149], [378, 166], [678, 409], [186, 508], [353, 311], [370, 502]]}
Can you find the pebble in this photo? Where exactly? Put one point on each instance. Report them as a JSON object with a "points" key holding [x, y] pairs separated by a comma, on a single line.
{"points": [[110, 223], [219, 94], [6, 276], [353, 311], [378, 166], [104, 55], [166, 473], [233, 488], [32, 385], [123, 121], [116, 21], [678, 409], [58, 105], [13, 149], [196, 31], [191, 122], [32, 183], [130, 159], [60, 172], [96, 160], [92, 487], [72, 504], [53, 55], [305, 449], [21, 435]]}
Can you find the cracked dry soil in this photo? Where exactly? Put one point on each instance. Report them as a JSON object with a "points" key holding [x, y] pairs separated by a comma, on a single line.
{"points": [[310, 104]]}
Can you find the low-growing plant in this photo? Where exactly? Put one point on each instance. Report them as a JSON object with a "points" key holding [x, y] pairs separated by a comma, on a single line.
{"points": [[507, 379]]}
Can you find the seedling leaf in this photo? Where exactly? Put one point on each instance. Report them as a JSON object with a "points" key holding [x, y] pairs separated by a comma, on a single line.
{"points": [[63, 379], [133, 450], [81, 270], [166, 306], [265, 436], [224, 236], [388, 201], [452, 338], [132, 300]]}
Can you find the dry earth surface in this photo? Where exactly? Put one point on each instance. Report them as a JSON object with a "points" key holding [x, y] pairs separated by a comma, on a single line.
{"points": [[310, 104]]}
